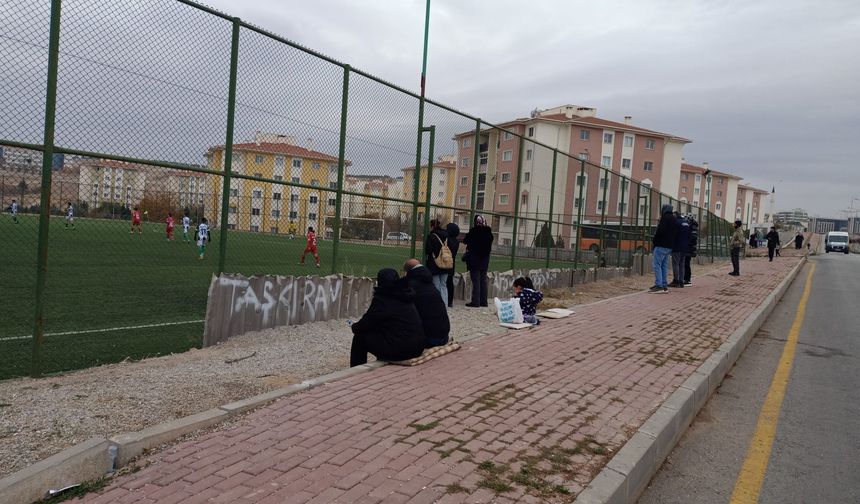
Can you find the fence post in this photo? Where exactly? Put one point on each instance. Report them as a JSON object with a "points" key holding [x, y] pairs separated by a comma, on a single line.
{"points": [[341, 164], [517, 204], [602, 256], [549, 240], [623, 201], [476, 159], [45, 197], [227, 159], [580, 179], [432, 130]]}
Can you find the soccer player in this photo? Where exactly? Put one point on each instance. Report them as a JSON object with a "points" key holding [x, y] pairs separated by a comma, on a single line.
{"points": [[311, 247], [135, 221], [202, 236], [170, 223], [70, 216], [14, 209], [292, 230], [186, 223]]}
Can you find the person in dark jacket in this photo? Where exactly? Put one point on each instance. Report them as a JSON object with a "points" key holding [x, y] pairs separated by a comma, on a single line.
{"points": [[432, 249], [431, 309], [479, 243], [692, 250], [663, 241], [679, 250], [391, 327], [453, 231], [798, 241], [753, 240], [772, 238]]}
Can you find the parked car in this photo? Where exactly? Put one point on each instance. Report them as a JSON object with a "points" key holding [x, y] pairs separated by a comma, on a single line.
{"points": [[397, 236]]}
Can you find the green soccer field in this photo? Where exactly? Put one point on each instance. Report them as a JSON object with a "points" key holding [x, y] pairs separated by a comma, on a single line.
{"points": [[104, 283]]}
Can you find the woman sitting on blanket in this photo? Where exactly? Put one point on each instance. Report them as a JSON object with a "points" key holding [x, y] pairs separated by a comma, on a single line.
{"points": [[529, 298]]}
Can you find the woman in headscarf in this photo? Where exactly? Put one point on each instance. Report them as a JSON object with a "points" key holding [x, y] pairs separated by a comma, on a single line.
{"points": [[479, 243], [391, 327]]}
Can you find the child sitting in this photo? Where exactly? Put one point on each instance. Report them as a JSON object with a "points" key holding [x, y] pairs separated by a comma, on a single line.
{"points": [[529, 298]]}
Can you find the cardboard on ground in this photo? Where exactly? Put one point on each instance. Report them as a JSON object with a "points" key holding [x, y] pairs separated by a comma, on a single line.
{"points": [[555, 313], [515, 326]]}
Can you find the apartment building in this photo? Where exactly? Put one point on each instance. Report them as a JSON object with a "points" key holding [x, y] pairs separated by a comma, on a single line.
{"points": [[652, 157], [715, 194], [105, 181], [262, 206], [369, 196], [442, 187], [748, 205]]}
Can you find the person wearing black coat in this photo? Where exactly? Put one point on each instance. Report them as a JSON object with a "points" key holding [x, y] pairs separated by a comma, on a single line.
{"points": [[772, 243], [798, 241], [692, 251], [479, 243], [432, 249], [453, 231], [391, 328], [679, 250], [663, 241], [431, 308]]}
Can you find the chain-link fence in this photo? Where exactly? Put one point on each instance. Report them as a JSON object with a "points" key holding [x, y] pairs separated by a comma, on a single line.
{"points": [[131, 130]]}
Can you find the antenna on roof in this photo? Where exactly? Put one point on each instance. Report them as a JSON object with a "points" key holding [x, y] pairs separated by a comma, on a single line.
{"points": [[534, 113]]}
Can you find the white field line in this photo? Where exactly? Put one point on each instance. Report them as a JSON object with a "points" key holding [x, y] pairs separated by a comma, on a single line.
{"points": [[109, 329]]}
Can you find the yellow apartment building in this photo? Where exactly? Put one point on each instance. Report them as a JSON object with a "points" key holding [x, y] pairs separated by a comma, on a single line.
{"points": [[442, 191]]}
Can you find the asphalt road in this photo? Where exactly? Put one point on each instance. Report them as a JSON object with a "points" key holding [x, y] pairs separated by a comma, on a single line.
{"points": [[816, 450]]}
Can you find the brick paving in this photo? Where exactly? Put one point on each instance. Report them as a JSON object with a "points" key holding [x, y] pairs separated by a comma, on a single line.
{"points": [[521, 416]]}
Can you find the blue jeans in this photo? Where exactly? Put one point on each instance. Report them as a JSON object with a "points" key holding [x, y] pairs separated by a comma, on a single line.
{"points": [[662, 257], [441, 284]]}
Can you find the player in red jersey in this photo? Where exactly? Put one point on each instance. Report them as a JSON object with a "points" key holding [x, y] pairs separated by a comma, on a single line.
{"points": [[170, 224], [135, 221], [311, 247]]}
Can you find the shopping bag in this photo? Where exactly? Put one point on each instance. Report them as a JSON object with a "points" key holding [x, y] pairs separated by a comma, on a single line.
{"points": [[509, 311]]}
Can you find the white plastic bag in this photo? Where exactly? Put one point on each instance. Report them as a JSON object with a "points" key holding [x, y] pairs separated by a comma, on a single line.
{"points": [[509, 311]]}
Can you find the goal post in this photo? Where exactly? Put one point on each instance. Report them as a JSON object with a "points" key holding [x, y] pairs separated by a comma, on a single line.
{"points": [[368, 229]]}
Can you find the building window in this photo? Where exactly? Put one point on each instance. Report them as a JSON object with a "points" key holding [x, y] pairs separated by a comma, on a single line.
{"points": [[297, 163], [625, 163], [332, 202], [464, 162], [528, 154], [258, 175], [313, 200], [278, 178], [255, 229], [273, 229], [276, 196], [649, 166], [719, 193], [257, 193], [464, 181], [295, 180], [698, 178], [628, 141], [276, 214], [686, 176], [508, 135], [294, 198], [467, 142], [441, 183], [258, 159], [524, 200], [577, 202], [526, 176], [580, 180], [584, 134], [506, 177], [294, 215], [507, 155], [231, 210], [509, 221], [696, 191], [316, 166], [720, 180], [503, 199], [461, 200], [315, 183], [606, 161], [649, 144], [312, 216], [683, 190], [234, 192], [600, 205], [607, 138], [622, 207], [719, 206], [440, 194], [506, 241], [531, 131], [255, 211], [332, 185]]}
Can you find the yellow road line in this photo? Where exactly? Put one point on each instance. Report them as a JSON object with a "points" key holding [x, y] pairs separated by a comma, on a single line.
{"points": [[751, 477]]}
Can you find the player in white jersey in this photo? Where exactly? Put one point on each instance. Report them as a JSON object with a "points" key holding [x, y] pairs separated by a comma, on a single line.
{"points": [[70, 216], [202, 236], [186, 223], [13, 208]]}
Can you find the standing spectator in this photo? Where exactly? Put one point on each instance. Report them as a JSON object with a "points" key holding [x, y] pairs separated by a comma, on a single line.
{"points": [[772, 243], [431, 309], [479, 243], [434, 248], [798, 241], [736, 243], [753, 240], [391, 328], [680, 250], [453, 244], [663, 241], [692, 250]]}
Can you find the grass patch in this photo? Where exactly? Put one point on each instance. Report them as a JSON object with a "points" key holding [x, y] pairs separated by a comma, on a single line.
{"points": [[456, 488], [424, 427]]}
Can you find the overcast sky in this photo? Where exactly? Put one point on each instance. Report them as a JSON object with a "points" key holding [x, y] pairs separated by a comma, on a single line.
{"points": [[767, 90]]}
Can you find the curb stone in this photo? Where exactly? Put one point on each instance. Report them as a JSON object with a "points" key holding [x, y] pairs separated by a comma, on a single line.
{"points": [[628, 473]]}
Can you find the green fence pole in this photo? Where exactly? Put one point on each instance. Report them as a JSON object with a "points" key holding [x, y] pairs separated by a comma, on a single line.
{"points": [[581, 181], [517, 205], [228, 145], [602, 255], [341, 164], [476, 159], [45, 197], [623, 201], [432, 130], [416, 182], [549, 240]]}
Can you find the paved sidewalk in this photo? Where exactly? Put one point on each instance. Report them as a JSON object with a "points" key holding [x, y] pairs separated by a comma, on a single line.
{"points": [[522, 416]]}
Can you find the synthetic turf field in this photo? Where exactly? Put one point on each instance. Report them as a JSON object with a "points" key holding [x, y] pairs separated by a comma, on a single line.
{"points": [[101, 277]]}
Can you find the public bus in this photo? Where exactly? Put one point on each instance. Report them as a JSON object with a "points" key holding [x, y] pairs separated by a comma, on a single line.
{"points": [[628, 237]]}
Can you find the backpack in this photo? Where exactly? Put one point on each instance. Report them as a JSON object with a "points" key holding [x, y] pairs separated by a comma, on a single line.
{"points": [[445, 260]]}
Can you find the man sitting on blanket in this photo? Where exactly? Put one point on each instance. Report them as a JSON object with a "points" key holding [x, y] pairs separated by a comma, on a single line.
{"points": [[431, 307]]}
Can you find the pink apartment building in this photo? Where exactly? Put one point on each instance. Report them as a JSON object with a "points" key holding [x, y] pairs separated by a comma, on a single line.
{"points": [[693, 188], [748, 205], [651, 157]]}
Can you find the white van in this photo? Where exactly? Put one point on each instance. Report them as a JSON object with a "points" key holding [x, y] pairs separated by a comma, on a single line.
{"points": [[836, 241]]}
